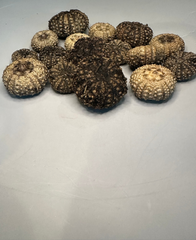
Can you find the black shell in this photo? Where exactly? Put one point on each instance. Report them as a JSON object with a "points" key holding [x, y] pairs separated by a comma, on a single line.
{"points": [[182, 64], [100, 84], [52, 55], [24, 53], [66, 23], [135, 33]]}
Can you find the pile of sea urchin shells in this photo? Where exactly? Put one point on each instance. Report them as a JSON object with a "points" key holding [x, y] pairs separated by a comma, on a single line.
{"points": [[89, 64]]}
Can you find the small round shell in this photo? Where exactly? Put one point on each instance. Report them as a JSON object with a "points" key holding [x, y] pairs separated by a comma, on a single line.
{"points": [[135, 33], [24, 53], [52, 55], [182, 64], [44, 39], [66, 23], [168, 43], [61, 77], [72, 39], [25, 77], [103, 30], [152, 82]]}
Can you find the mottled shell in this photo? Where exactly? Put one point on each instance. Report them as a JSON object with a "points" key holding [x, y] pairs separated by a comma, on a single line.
{"points": [[143, 55], [100, 84], [44, 39], [25, 77], [52, 55], [182, 64], [72, 39], [66, 23], [61, 77], [24, 53], [152, 82], [103, 30], [135, 33], [116, 50], [167, 43]]}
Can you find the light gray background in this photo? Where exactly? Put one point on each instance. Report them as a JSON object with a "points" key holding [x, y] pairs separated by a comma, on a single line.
{"points": [[67, 172]]}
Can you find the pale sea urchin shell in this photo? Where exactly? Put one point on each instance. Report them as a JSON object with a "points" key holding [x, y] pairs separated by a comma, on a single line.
{"points": [[103, 30], [72, 39]]}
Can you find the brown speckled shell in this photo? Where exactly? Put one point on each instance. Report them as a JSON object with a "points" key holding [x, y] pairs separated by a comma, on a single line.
{"points": [[103, 30], [167, 43], [135, 33], [25, 77], [182, 64], [116, 50], [143, 55], [44, 39], [72, 39], [100, 84], [24, 53], [66, 23], [61, 77], [152, 82], [52, 55]]}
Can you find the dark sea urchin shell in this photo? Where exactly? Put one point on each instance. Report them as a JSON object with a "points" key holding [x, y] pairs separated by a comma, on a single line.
{"points": [[61, 77], [66, 23], [135, 33], [182, 64], [24, 53], [52, 55], [25, 77], [100, 84]]}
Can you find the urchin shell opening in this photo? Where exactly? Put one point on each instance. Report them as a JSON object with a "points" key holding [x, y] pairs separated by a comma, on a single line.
{"points": [[23, 68]]}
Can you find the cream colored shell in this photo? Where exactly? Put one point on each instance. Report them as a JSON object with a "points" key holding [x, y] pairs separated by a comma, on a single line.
{"points": [[44, 39], [102, 30], [25, 77], [72, 39], [152, 82]]}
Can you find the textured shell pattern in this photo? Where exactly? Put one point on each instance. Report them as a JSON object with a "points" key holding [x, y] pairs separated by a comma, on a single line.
{"points": [[24, 53], [182, 64], [72, 39], [153, 82], [68, 22], [168, 43], [25, 77], [100, 84], [52, 55], [61, 77], [103, 30], [135, 33], [44, 39], [143, 55], [116, 50]]}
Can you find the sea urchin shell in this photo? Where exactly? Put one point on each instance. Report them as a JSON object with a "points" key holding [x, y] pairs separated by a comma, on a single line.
{"points": [[24, 53]]}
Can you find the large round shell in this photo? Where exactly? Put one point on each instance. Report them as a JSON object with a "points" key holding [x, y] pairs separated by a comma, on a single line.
{"points": [[182, 64], [24, 53], [135, 33], [152, 82], [66, 23], [72, 39], [44, 39], [103, 30], [25, 77], [168, 43]]}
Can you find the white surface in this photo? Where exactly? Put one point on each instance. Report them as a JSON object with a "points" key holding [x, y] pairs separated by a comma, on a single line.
{"points": [[67, 172]]}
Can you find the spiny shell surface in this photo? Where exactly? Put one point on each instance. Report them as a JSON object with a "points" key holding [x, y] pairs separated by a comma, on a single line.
{"points": [[152, 82], [52, 55], [99, 84], [182, 64], [61, 77], [25, 77], [143, 55], [103, 30], [167, 43], [24, 53], [66, 23], [135, 33], [72, 39], [44, 39]]}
